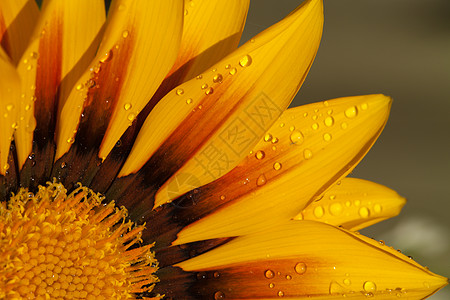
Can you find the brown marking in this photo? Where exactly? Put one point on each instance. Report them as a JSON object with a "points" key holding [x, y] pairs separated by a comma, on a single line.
{"points": [[257, 278], [9, 181], [81, 162], [4, 40], [37, 168]]}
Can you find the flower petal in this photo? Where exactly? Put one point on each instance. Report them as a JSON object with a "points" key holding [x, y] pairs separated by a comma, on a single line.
{"points": [[62, 45], [9, 103], [244, 93], [202, 44], [120, 81], [298, 260], [17, 21], [128, 50], [354, 204], [302, 155]]}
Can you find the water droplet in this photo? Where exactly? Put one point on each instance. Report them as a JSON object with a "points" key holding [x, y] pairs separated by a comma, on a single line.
{"points": [[25, 61], [269, 274], [357, 202], [364, 106], [131, 117], [377, 208], [330, 111], [70, 140], [260, 154], [351, 112], [319, 212], [369, 286], [300, 268], [179, 92], [344, 125], [209, 91], [280, 294], [297, 137], [271, 285], [347, 281], [218, 78], [267, 137], [127, 106], [80, 86], [252, 40], [90, 83], [336, 209], [6, 166], [216, 274], [199, 77], [364, 212], [291, 128], [63, 165], [327, 137], [274, 140], [315, 126], [288, 277], [245, 61], [261, 180], [189, 101], [307, 154], [381, 242], [228, 66], [348, 203], [282, 125], [222, 197], [277, 166], [14, 125], [219, 295], [185, 12], [233, 71], [314, 117], [106, 57], [125, 34], [204, 86], [329, 121], [9, 107], [29, 67]]}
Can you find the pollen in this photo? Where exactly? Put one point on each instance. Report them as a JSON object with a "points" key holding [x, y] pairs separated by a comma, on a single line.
{"points": [[55, 245]]}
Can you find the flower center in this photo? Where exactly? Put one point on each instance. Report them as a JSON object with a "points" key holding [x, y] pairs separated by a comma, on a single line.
{"points": [[54, 245]]}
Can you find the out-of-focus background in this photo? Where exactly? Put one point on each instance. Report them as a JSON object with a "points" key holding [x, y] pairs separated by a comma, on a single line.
{"points": [[400, 48]]}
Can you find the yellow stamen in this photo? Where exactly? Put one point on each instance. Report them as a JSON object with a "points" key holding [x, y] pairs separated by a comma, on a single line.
{"points": [[55, 246]]}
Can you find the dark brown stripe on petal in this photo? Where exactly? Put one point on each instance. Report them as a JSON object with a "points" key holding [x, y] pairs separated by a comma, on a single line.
{"points": [[37, 168], [288, 277], [4, 41], [9, 181], [81, 162]]}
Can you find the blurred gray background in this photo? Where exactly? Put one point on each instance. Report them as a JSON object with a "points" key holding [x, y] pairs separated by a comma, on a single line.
{"points": [[400, 48]]}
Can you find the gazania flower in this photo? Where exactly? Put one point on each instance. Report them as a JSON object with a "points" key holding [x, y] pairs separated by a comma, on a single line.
{"points": [[151, 158]]}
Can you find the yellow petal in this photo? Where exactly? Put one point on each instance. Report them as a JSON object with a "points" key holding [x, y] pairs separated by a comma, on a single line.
{"points": [[310, 259], [17, 21], [63, 44], [307, 150], [139, 47], [354, 204], [222, 113], [212, 29], [9, 103]]}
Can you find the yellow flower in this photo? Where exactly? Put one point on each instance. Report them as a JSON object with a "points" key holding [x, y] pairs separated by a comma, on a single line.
{"points": [[152, 158]]}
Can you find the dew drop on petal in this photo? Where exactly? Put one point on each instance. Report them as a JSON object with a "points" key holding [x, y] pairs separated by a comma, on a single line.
{"points": [[336, 209], [209, 91], [364, 106], [300, 268], [319, 212], [364, 212], [297, 137], [106, 57], [189, 101], [369, 286], [269, 274], [125, 34], [233, 71], [127, 106], [329, 121], [377, 208], [9, 107], [131, 117], [219, 295], [199, 77], [179, 92], [228, 66], [307, 154], [351, 112], [280, 294], [271, 285], [277, 166], [218, 78], [204, 86], [261, 180], [327, 137], [344, 125], [347, 281], [245, 61], [315, 126], [260, 154], [267, 137]]}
